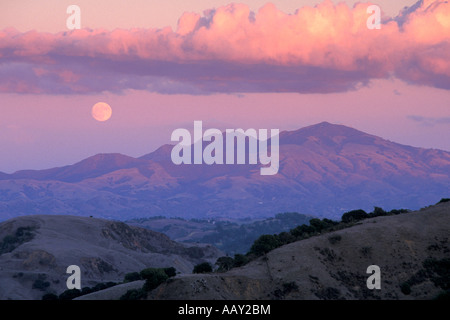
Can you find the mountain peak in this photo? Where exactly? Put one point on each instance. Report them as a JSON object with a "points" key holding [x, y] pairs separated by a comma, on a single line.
{"points": [[326, 128], [324, 123], [327, 133], [106, 159], [91, 167], [159, 154]]}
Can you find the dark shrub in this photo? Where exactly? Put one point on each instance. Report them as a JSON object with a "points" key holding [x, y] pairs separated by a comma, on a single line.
{"points": [[334, 239], [9, 239], [134, 294], [329, 222], [302, 231], [10, 242], [40, 284], [354, 215], [366, 251], [398, 211], [110, 284], [320, 225], [204, 267], [285, 238], [132, 276], [405, 288], [153, 278], [86, 290], [70, 294], [99, 286], [264, 244], [171, 272], [444, 200], [24, 233], [443, 296], [328, 293], [440, 271], [224, 263], [289, 287], [240, 260], [378, 212], [49, 296]]}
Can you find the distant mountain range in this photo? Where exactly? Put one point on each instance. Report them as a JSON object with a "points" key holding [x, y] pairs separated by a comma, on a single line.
{"points": [[325, 170]]}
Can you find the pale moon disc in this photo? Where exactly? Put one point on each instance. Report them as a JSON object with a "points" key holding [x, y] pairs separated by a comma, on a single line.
{"points": [[101, 111]]}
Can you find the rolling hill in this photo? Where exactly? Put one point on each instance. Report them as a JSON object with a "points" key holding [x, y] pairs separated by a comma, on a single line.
{"points": [[35, 252], [411, 249]]}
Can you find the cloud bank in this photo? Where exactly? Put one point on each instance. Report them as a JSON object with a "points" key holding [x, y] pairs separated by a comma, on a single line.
{"points": [[321, 49], [429, 121]]}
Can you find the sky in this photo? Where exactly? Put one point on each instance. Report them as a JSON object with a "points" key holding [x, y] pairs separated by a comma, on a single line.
{"points": [[160, 65]]}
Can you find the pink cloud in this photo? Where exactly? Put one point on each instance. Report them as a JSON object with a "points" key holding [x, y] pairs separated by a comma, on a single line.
{"points": [[326, 48]]}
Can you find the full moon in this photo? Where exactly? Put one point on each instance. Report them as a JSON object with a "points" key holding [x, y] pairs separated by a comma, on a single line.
{"points": [[101, 111]]}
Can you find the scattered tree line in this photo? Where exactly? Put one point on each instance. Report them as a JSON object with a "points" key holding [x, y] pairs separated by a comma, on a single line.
{"points": [[232, 236], [71, 294], [10, 242], [438, 271], [204, 267], [267, 242], [237, 238], [153, 277]]}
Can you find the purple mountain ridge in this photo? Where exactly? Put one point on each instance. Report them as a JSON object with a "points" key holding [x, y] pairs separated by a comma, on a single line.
{"points": [[325, 170]]}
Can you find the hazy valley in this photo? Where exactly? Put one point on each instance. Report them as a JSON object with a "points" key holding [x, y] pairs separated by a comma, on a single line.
{"points": [[230, 236]]}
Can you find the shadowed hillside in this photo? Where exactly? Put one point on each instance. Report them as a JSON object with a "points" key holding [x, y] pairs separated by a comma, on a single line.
{"points": [[411, 249], [35, 252]]}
